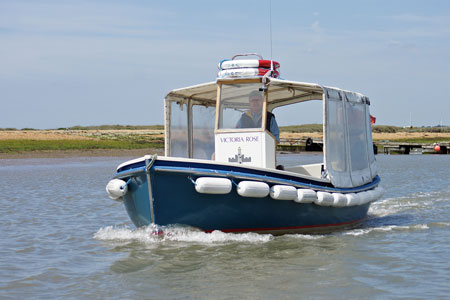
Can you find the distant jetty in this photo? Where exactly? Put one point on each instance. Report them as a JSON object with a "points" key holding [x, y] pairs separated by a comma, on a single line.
{"points": [[414, 148], [309, 144]]}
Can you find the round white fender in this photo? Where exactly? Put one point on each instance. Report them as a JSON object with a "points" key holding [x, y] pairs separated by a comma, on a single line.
{"points": [[340, 200], [324, 199], [306, 196], [213, 185], [116, 188], [283, 192], [254, 189], [352, 199]]}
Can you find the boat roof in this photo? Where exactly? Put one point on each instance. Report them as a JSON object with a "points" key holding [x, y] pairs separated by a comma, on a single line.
{"points": [[281, 92]]}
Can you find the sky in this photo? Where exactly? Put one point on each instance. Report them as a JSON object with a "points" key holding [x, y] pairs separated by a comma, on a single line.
{"points": [[75, 62]]}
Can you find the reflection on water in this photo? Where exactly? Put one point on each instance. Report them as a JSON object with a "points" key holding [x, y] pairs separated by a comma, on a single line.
{"points": [[63, 237]]}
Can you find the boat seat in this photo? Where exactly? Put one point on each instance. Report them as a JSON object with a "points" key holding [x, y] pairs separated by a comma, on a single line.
{"points": [[313, 170]]}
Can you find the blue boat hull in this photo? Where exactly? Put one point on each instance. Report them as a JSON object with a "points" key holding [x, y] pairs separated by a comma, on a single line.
{"points": [[175, 201]]}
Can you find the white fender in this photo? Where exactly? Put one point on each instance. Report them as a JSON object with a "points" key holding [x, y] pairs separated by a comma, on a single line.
{"points": [[213, 185], [352, 199], [372, 195], [324, 199], [283, 192], [254, 189], [306, 196], [116, 188], [339, 200]]}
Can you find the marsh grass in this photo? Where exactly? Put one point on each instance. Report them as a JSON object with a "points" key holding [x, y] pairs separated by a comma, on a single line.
{"points": [[431, 140], [375, 128], [14, 146], [116, 127], [302, 128]]}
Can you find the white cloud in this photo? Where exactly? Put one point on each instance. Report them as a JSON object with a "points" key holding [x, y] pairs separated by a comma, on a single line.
{"points": [[82, 18]]}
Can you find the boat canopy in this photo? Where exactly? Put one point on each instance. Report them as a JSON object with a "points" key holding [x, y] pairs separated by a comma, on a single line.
{"points": [[349, 160], [281, 92]]}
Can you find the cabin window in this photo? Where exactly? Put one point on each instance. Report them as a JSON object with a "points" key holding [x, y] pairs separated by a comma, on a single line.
{"points": [[203, 131], [178, 130], [241, 106], [301, 121], [337, 154], [356, 118]]}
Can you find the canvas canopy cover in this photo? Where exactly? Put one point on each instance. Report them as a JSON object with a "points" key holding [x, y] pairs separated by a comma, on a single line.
{"points": [[349, 159]]}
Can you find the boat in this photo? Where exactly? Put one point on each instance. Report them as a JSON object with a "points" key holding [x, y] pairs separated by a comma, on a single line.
{"points": [[216, 175]]}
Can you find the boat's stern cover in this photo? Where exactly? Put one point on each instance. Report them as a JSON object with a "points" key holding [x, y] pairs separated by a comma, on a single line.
{"points": [[349, 156]]}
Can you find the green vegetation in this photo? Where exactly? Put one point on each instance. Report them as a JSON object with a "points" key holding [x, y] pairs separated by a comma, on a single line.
{"points": [[385, 129], [116, 127], [291, 128], [376, 128], [100, 127], [126, 137], [14, 146], [302, 128], [421, 140], [394, 129], [112, 137], [8, 129]]}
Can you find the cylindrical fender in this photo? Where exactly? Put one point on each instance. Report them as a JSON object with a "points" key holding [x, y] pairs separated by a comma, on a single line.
{"points": [[254, 189], [352, 199], [283, 192], [213, 185], [339, 200], [306, 196], [324, 199]]}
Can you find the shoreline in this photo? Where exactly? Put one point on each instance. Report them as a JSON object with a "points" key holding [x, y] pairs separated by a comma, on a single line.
{"points": [[139, 136]]}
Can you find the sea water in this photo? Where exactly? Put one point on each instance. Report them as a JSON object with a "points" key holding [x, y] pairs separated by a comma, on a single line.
{"points": [[62, 237]]}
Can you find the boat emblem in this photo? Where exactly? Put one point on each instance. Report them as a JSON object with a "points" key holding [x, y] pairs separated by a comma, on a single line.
{"points": [[239, 157]]}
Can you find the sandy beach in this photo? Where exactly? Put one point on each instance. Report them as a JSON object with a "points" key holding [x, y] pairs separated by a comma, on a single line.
{"points": [[73, 134]]}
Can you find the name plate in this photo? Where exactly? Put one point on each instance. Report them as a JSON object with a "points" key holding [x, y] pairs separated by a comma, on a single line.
{"points": [[249, 148]]}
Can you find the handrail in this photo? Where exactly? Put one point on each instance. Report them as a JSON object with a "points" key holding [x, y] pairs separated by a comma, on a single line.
{"points": [[247, 54]]}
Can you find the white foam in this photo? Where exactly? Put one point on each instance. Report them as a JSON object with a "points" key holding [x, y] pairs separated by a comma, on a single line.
{"points": [[110, 233], [357, 232], [363, 231], [391, 206], [307, 236], [176, 234]]}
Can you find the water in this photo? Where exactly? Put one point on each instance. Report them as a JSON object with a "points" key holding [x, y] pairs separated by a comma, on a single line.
{"points": [[62, 237]]}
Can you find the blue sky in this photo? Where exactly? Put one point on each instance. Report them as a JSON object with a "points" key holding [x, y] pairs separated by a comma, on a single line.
{"points": [[66, 63]]}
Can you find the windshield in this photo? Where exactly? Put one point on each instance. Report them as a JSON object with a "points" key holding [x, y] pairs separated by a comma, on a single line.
{"points": [[241, 106]]}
